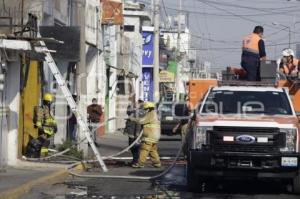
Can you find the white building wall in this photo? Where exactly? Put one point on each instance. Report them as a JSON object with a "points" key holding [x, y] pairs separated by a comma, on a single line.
{"points": [[91, 17], [3, 123], [91, 73], [136, 41], [96, 73], [14, 6], [173, 37], [61, 11], [61, 111], [132, 21], [110, 37], [113, 78], [13, 103], [101, 79]]}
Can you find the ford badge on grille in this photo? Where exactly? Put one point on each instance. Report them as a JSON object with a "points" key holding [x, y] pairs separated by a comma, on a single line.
{"points": [[245, 139]]}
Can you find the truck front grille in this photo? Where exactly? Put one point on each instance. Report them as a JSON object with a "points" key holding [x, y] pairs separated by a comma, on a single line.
{"points": [[275, 139]]}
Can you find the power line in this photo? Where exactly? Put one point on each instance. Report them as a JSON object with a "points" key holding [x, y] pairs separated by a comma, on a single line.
{"points": [[230, 15], [224, 41], [235, 48], [213, 40], [244, 18], [266, 10], [286, 12]]}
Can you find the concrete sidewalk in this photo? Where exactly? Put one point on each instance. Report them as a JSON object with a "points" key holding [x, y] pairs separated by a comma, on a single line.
{"points": [[16, 181]]}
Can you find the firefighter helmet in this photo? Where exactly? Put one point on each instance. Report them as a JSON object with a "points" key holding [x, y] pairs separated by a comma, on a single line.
{"points": [[149, 105], [48, 97]]}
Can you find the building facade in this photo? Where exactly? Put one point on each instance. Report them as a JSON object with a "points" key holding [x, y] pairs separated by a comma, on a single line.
{"points": [[78, 24]]}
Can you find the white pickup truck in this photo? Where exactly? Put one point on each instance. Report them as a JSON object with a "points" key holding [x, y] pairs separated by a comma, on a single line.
{"points": [[241, 132]]}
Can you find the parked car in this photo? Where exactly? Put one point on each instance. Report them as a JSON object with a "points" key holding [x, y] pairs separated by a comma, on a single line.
{"points": [[167, 119]]}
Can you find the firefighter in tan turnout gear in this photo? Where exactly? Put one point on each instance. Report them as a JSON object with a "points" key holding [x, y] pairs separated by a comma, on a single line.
{"points": [[45, 123], [150, 137]]}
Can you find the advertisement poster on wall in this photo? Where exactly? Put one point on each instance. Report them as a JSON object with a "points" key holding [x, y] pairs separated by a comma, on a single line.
{"points": [[148, 84]]}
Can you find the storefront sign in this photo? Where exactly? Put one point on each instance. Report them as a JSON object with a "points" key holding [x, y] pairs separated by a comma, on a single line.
{"points": [[166, 76]]}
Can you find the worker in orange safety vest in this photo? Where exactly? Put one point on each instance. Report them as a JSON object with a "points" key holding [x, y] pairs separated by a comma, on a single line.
{"points": [[253, 52]]}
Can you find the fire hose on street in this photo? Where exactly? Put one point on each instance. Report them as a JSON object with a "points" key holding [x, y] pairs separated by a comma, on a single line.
{"points": [[113, 156], [167, 170]]}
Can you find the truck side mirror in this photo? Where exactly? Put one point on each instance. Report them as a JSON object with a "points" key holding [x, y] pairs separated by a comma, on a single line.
{"points": [[178, 110], [181, 111]]}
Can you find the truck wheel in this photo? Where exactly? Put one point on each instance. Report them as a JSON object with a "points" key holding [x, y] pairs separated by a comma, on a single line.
{"points": [[193, 182], [296, 185]]}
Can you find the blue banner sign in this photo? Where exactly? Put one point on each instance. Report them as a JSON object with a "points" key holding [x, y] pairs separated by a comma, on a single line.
{"points": [[148, 84], [148, 38]]}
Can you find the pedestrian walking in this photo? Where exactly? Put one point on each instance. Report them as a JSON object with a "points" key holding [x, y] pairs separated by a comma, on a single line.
{"points": [[72, 123], [133, 129], [150, 137], [183, 125], [94, 112]]}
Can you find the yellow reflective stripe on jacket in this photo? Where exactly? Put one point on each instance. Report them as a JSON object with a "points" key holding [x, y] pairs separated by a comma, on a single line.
{"points": [[44, 150], [48, 131], [150, 140], [151, 125], [39, 124], [50, 121]]}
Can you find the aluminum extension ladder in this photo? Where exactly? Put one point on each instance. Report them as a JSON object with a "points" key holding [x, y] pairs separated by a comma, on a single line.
{"points": [[62, 84]]}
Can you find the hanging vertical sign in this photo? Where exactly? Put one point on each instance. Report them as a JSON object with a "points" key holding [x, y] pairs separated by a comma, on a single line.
{"points": [[147, 62], [148, 46], [148, 84]]}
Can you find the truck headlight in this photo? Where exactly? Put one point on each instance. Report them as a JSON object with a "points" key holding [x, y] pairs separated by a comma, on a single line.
{"points": [[201, 136], [291, 139]]}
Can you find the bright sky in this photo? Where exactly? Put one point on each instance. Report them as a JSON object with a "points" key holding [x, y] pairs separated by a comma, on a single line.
{"points": [[219, 26]]}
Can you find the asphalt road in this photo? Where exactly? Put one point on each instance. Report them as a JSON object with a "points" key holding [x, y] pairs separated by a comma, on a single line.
{"points": [[172, 185]]}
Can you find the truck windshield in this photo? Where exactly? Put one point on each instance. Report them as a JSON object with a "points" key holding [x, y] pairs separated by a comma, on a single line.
{"points": [[247, 102]]}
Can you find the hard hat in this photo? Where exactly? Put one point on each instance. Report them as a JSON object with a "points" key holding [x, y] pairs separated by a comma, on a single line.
{"points": [[149, 105], [288, 52], [48, 97]]}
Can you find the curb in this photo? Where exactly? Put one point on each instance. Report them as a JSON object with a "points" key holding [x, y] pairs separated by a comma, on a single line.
{"points": [[54, 177]]}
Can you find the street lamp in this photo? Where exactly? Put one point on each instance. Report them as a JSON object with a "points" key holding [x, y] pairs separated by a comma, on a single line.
{"points": [[279, 24]]}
